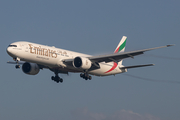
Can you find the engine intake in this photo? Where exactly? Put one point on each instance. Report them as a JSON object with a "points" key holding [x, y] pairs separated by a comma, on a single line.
{"points": [[82, 63], [30, 68]]}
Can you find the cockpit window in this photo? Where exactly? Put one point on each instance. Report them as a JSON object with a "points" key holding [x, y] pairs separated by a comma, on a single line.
{"points": [[12, 46]]}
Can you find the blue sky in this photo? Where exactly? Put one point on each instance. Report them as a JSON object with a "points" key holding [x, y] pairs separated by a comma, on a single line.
{"points": [[92, 27]]}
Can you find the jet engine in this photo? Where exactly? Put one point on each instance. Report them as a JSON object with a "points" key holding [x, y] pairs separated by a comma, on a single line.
{"points": [[30, 68], [82, 63]]}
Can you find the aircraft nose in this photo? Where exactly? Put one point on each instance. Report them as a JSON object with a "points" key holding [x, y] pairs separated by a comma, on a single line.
{"points": [[8, 50]]}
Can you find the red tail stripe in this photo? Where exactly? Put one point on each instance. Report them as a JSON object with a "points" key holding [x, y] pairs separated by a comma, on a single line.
{"points": [[114, 66]]}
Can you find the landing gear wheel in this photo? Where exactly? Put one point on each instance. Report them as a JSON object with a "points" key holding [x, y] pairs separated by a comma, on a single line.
{"points": [[61, 80], [57, 79], [85, 76], [90, 77], [52, 78], [81, 75], [17, 66]]}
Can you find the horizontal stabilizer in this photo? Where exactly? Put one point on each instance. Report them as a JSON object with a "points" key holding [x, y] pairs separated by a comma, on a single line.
{"points": [[136, 66]]}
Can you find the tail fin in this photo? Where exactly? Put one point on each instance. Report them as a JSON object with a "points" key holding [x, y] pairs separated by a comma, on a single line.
{"points": [[121, 47]]}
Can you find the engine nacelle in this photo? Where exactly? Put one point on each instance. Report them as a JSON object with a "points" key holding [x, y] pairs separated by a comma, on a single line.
{"points": [[82, 63], [30, 68]]}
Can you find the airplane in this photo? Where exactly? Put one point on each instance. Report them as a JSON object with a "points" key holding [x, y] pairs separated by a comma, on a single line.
{"points": [[34, 57]]}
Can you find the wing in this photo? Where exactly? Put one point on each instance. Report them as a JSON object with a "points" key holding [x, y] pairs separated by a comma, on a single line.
{"points": [[119, 56], [116, 57]]}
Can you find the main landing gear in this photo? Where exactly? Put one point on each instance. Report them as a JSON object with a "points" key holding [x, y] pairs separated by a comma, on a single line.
{"points": [[85, 76], [56, 78]]}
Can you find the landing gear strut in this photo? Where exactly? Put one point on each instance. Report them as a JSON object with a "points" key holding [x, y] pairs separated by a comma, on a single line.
{"points": [[85, 76], [56, 78]]}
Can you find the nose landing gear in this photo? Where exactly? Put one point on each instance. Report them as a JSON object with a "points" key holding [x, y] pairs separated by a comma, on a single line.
{"points": [[17, 63], [17, 66]]}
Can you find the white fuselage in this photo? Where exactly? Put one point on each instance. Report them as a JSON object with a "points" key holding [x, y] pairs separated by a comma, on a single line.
{"points": [[52, 58]]}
